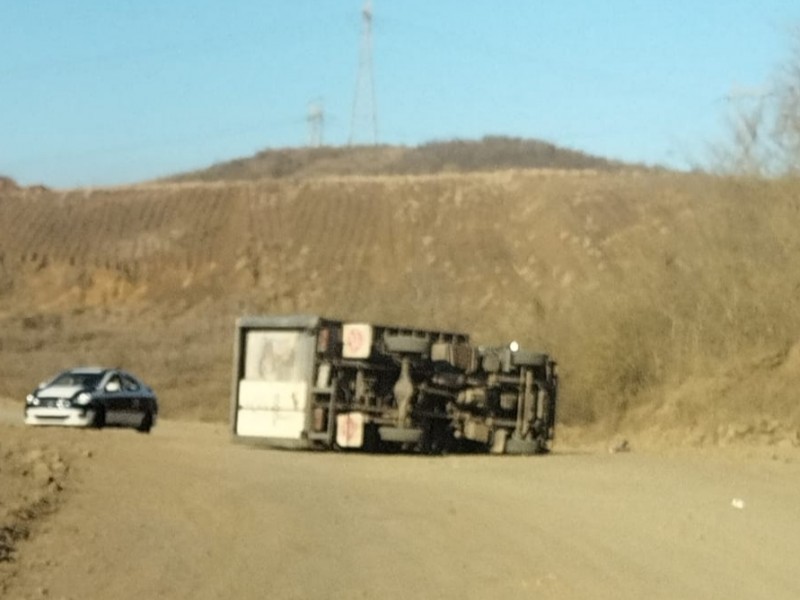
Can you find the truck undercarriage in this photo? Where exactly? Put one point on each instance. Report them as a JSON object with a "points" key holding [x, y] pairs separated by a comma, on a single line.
{"points": [[305, 381]]}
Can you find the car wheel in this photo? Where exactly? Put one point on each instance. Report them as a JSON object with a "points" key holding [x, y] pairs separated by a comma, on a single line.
{"points": [[147, 423], [99, 418]]}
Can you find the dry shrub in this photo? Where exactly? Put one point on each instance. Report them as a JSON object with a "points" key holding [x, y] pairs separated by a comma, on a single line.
{"points": [[637, 283], [461, 156]]}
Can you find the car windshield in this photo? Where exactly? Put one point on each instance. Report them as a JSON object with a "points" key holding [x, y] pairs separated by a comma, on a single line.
{"points": [[86, 380]]}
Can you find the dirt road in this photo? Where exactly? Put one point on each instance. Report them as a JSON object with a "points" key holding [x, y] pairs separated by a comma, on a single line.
{"points": [[184, 513]]}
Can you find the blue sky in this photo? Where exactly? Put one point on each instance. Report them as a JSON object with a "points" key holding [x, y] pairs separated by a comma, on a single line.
{"points": [[94, 92]]}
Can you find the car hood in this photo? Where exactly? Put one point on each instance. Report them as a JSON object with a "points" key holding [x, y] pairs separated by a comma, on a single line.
{"points": [[59, 391]]}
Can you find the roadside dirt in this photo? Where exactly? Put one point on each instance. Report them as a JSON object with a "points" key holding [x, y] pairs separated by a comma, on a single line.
{"points": [[185, 513], [34, 467]]}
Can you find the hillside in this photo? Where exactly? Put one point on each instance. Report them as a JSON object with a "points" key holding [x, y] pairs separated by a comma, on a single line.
{"points": [[492, 153], [7, 184], [670, 300]]}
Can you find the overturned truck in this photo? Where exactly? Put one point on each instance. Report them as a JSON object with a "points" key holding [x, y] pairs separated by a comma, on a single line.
{"points": [[304, 381]]}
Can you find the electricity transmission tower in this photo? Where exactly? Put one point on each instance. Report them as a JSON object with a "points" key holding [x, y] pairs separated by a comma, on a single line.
{"points": [[365, 112], [316, 123]]}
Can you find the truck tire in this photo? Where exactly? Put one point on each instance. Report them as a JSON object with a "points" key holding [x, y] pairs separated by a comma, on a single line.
{"points": [[499, 441], [436, 437], [406, 344], [528, 359], [522, 447], [400, 435]]}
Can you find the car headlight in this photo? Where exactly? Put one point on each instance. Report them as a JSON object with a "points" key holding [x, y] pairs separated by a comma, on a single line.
{"points": [[83, 398], [32, 400]]}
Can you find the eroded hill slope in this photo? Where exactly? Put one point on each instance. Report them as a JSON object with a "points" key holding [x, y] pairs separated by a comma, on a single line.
{"points": [[645, 286]]}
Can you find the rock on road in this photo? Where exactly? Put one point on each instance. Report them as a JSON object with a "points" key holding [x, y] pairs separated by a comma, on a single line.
{"points": [[185, 513]]}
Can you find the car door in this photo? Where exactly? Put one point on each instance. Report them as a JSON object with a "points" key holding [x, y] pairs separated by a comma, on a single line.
{"points": [[134, 403], [114, 399]]}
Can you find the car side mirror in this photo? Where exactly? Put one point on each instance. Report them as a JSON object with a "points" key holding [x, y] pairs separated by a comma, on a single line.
{"points": [[112, 386]]}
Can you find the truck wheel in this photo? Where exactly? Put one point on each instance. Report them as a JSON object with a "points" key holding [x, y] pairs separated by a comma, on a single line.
{"points": [[400, 435], [515, 446], [543, 446], [406, 344], [529, 359], [436, 437], [499, 439]]}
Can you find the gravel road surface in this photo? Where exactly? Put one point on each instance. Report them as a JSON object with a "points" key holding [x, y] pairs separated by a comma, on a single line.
{"points": [[185, 513]]}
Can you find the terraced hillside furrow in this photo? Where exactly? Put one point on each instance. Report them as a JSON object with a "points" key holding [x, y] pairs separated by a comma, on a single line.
{"points": [[337, 244], [642, 284]]}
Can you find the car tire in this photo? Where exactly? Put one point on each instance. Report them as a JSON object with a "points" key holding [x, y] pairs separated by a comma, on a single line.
{"points": [[99, 418], [147, 423]]}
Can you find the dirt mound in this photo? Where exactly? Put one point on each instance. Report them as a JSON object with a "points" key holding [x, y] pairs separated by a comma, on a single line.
{"points": [[33, 473], [750, 401]]}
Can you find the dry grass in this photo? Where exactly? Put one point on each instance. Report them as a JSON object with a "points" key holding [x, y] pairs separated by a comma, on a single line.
{"points": [[641, 284]]}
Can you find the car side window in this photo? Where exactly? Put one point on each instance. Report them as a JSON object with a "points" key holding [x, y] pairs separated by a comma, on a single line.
{"points": [[129, 384], [114, 384]]}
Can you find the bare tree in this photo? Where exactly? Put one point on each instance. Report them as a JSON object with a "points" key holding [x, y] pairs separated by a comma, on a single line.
{"points": [[787, 114], [764, 125]]}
